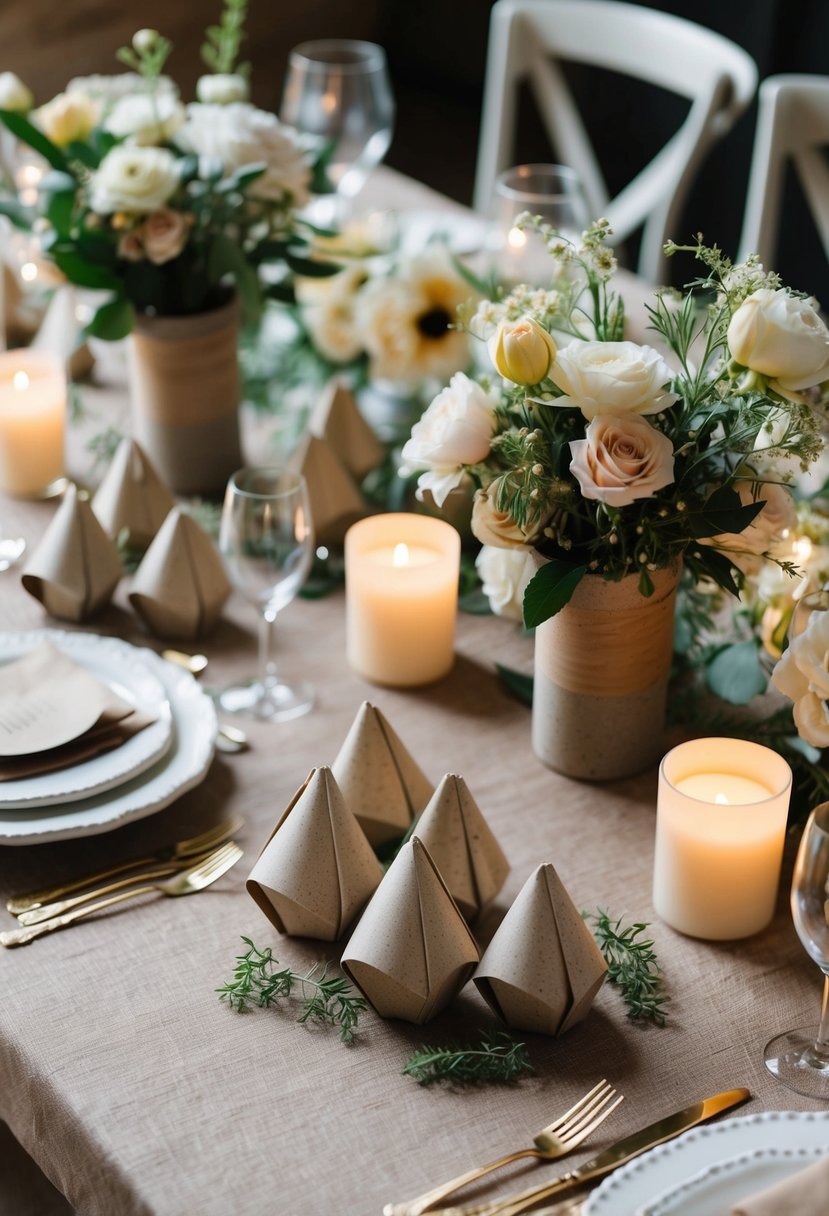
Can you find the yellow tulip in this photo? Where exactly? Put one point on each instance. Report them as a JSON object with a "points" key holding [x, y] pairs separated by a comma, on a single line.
{"points": [[522, 351]]}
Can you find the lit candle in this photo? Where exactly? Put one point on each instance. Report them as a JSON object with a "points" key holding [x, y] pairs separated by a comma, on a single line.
{"points": [[401, 576], [720, 826], [32, 421]]}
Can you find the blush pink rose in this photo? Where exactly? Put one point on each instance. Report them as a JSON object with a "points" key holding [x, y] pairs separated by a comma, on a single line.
{"points": [[622, 459], [164, 234]]}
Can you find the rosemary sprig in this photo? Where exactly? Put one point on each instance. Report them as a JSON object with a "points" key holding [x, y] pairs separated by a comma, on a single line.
{"points": [[632, 966], [496, 1058], [258, 980]]}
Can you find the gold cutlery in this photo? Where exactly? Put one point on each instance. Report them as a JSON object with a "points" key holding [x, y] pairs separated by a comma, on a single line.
{"points": [[608, 1160], [558, 1138], [182, 849], [194, 663], [188, 882], [231, 739]]}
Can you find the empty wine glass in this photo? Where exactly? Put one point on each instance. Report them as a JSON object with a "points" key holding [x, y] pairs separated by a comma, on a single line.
{"points": [[553, 192], [800, 1058], [337, 93], [266, 540]]}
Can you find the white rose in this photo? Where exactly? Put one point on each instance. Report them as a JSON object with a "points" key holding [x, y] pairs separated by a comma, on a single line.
{"points": [[239, 134], [145, 118], [14, 95], [621, 460], [781, 337], [504, 574], [133, 179], [68, 117], [611, 378], [455, 430], [802, 677], [222, 88]]}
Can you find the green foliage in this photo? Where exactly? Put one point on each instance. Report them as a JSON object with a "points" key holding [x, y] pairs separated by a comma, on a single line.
{"points": [[632, 966], [517, 683], [112, 320], [147, 55], [494, 1059], [220, 50], [549, 590], [735, 674], [29, 134]]}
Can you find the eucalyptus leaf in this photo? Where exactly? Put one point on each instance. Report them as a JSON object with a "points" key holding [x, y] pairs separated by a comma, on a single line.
{"points": [[549, 590], [517, 683], [735, 673]]}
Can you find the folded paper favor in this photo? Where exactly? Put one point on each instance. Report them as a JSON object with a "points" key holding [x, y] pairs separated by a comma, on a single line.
{"points": [[336, 418], [180, 587], [132, 496], [462, 846], [411, 952], [75, 568], [379, 779], [335, 499], [60, 332], [317, 871], [542, 968]]}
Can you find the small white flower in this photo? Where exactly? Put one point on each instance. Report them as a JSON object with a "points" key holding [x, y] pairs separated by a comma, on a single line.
{"points": [[145, 118], [14, 95], [133, 179], [504, 575], [222, 88]]}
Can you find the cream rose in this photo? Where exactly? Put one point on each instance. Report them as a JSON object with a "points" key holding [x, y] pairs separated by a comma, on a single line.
{"points": [[522, 351], [801, 676], [494, 527], [329, 312], [14, 95], [611, 378], [164, 234], [134, 179], [145, 118], [621, 460], [781, 337], [504, 575], [222, 89], [455, 430], [68, 117], [239, 134]]}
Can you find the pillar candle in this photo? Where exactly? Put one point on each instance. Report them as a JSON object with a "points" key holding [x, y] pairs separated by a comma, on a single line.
{"points": [[32, 421], [720, 825], [401, 577]]}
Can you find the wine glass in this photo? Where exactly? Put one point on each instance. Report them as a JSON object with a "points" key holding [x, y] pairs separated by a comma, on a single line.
{"points": [[266, 540], [337, 93], [553, 192], [800, 1058]]}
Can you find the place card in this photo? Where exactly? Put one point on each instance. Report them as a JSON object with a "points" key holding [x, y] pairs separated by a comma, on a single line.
{"points": [[180, 587], [132, 496], [336, 418]]}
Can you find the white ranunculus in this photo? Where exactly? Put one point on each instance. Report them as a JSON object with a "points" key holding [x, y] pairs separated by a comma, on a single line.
{"points": [[145, 118], [455, 430], [781, 337], [622, 459], [14, 95], [801, 676], [222, 88], [68, 117], [611, 378], [239, 134], [504, 574], [133, 179]]}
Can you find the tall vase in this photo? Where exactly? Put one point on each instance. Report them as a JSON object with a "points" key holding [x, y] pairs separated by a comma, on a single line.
{"points": [[185, 391], [601, 678]]}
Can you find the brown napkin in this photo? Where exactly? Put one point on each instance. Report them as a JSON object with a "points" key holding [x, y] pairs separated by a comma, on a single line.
{"points": [[132, 496], [805, 1193], [180, 587], [54, 713], [335, 498], [336, 418]]}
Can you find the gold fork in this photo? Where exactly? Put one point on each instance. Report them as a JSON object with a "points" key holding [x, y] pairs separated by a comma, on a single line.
{"points": [[181, 850], [553, 1141], [188, 882]]}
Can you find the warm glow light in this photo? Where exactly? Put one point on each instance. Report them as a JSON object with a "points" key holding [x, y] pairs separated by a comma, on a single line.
{"points": [[721, 800], [803, 548], [28, 272], [516, 239], [29, 175], [322, 552], [400, 557], [328, 102], [21, 381]]}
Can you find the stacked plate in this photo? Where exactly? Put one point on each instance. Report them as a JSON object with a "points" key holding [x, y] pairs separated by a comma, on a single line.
{"points": [[142, 776]]}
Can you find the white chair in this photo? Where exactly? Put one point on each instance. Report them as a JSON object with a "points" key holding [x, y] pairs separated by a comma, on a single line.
{"points": [[792, 125], [526, 41]]}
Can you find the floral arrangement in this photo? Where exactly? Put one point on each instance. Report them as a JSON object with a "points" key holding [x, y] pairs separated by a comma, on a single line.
{"points": [[159, 204], [609, 458]]}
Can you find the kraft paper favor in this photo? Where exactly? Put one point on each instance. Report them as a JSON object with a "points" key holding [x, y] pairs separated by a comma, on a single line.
{"points": [[411, 952], [59, 333], [336, 418], [132, 496], [180, 587], [335, 499], [542, 968], [379, 779], [317, 871], [75, 568], [462, 846]]}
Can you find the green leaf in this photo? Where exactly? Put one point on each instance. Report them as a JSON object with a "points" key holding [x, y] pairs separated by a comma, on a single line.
{"points": [[112, 320], [735, 673], [226, 258], [22, 217], [242, 178], [84, 273], [320, 181], [311, 268], [58, 191], [718, 567], [549, 590], [282, 292], [723, 512], [29, 134], [87, 154], [516, 682]]}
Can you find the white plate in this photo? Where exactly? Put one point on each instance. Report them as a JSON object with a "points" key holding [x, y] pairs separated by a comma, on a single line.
{"points": [[647, 1177], [715, 1189], [421, 229], [124, 669], [180, 769]]}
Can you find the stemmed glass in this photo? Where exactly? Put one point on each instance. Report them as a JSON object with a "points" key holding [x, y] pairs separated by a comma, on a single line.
{"points": [[337, 93], [800, 1058], [553, 192], [266, 540]]}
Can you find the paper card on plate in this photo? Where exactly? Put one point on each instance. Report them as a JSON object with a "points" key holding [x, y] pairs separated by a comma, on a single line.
{"points": [[317, 871], [411, 952], [336, 418], [462, 846], [335, 499], [132, 496], [75, 568], [180, 587], [542, 969], [380, 781]]}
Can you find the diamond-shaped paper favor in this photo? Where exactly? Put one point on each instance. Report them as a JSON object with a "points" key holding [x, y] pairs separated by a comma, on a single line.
{"points": [[462, 846], [180, 587], [379, 779], [542, 968], [336, 418], [132, 496], [334, 496], [411, 952], [317, 871]]}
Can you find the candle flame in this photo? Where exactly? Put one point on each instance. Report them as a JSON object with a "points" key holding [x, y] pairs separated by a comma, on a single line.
{"points": [[400, 557], [721, 800], [28, 272], [328, 102], [516, 239], [803, 548], [21, 381]]}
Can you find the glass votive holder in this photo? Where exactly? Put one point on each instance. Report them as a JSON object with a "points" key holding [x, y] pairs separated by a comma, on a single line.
{"points": [[32, 423], [552, 192], [720, 826]]}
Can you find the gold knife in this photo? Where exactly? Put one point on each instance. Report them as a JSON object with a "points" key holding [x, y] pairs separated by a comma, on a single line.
{"points": [[610, 1159]]}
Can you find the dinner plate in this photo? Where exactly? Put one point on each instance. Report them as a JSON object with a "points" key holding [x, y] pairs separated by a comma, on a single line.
{"points": [[123, 668], [650, 1176], [715, 1189], [182, 767]]}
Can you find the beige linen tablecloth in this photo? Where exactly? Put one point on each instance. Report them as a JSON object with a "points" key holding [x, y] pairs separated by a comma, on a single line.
{"points": [[136, 1092]]}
